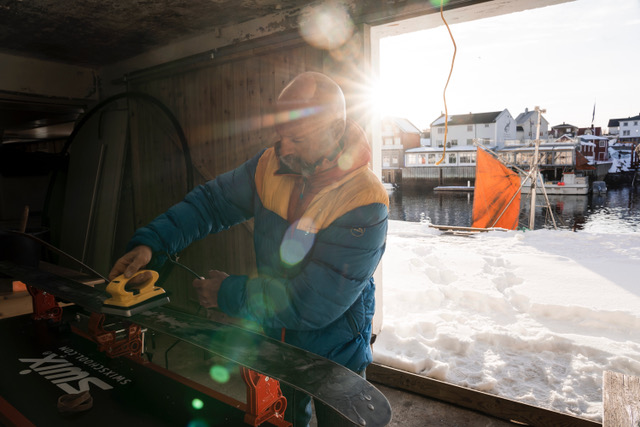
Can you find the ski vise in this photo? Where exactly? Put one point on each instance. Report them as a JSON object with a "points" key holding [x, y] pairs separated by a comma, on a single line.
{"points": [[125, 342], [45, 306], [265, 401]]}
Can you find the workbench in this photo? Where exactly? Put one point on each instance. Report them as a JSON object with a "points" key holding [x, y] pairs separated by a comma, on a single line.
{"points": [[41, 361]]}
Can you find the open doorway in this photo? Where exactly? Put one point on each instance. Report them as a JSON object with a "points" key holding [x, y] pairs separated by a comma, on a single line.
{"points": [[450, 313]]}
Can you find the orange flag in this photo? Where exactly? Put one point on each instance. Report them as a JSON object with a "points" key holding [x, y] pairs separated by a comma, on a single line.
{"points": [[494, 190]]}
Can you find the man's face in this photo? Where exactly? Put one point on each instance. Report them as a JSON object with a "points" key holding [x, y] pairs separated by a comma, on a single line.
{"points": [[304, 143]]}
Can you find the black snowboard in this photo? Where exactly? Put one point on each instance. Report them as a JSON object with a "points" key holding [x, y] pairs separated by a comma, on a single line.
{"points": [[329, 382]]}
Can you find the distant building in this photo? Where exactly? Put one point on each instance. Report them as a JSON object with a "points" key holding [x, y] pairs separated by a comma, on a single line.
{"points": [[553, 157], [595, 148], [458, 161], [425, 138], [429, 156], [564, 129], [614, 126], [629, 130], [398, 135], [596, 131], [527, 123], [494, 129]]}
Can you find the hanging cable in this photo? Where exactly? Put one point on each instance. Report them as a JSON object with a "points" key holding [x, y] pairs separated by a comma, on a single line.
{"points": [[444, 92]]}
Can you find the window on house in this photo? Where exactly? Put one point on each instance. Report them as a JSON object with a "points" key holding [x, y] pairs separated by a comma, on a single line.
{"points": [[440, 130], [486, 125], [625, 124], [439, 141], [411, 159], [602, 144], [431, 159], [454, 142], [470, 141], [635, 123], [470, 128], [397, 140], [386, 161], [452, 159], [626, 133], [467, 158], [423, 159], [394, 160]]}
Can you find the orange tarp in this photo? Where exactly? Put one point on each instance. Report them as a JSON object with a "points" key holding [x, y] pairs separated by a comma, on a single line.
{"points": [[494, 190]]}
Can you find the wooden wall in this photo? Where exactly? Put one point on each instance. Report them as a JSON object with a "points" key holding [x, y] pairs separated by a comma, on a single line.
{"points": [[224, 108]]}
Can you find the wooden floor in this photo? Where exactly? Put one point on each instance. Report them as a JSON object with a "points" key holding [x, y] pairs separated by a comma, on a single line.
{"points": [[412, 410]]}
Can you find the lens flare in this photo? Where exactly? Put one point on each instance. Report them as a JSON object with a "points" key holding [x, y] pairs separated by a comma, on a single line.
{"points": [[345, 162], [296, 244], [326, 26], [197, 404], [219, 374], [198, 423]]}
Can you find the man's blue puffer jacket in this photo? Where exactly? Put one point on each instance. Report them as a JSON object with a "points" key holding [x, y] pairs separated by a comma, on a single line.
{"points": [[314, 276]]}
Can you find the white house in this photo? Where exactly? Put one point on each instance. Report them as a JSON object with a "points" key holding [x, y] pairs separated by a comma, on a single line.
{"points": [[526, 126], [629, 129], [492, 129], [614, 126]]}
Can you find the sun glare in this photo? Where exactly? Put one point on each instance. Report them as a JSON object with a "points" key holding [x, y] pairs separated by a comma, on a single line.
{"points": [[381, 99]]}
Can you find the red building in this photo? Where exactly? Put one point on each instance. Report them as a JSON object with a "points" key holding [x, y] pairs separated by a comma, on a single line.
{"points": [[398, 135], [597, 131]]}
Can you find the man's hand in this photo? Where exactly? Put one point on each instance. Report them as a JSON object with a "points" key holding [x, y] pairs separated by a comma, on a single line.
{"points": [[131, 262], [207, 289]]}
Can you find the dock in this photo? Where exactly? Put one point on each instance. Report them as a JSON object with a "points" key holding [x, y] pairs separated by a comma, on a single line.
{"points": [[455, 188]]}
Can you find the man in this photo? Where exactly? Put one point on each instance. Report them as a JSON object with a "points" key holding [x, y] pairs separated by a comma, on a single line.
{"points": [[320, 229]]}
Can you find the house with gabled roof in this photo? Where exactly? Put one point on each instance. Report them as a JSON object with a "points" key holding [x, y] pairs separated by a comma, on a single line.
{"points": [[398, 135], [458, 161], [526, 124], [592, 130], [614, 126], [564, 129], [492, 129]]}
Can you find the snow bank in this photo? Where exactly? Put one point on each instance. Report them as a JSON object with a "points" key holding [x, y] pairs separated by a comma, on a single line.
{"points": [[534, 316]]}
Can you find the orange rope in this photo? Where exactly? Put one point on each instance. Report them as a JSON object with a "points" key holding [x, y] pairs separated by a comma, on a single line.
{"points": [[444, 92]]}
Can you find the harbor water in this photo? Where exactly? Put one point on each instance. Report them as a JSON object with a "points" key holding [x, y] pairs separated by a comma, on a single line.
{"points": [[616, 211]]}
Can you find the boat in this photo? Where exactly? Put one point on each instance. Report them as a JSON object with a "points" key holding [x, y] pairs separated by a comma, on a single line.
{"points": [[496, 198], [498, 189], [496, 195], [599, 187], [571, 184], [390, 186]]}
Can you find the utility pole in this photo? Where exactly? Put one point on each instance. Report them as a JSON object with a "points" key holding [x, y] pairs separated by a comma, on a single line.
{"points": [[534, 169]]}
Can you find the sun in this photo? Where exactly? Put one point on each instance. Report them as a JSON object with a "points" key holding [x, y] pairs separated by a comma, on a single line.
{"points": [[381, 99]]}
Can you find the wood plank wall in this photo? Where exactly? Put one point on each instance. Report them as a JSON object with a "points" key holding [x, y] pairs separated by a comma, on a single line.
{"points": [[224, 109]]}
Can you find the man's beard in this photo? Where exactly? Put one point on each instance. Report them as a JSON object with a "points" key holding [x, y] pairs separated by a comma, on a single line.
{"points": [[297, 165]]}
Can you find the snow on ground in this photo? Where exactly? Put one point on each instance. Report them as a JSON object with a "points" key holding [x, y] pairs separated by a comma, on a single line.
{"points": [[534, 316]]}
